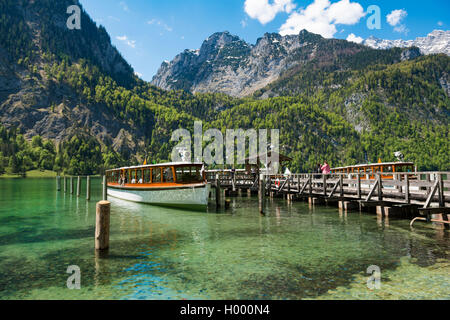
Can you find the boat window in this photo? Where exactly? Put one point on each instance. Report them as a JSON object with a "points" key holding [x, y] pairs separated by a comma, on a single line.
{"points": [[387, 169], [156, 175], [188, 174], [146, 175], [167, 174], [139, 176]]}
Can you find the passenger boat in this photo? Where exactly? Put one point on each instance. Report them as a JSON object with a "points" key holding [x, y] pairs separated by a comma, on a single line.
{"points": [[388, 171], [368, 171], [169, 184]]}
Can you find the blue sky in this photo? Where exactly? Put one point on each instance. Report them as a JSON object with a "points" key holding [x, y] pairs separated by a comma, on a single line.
{"points": [[147, 32]]}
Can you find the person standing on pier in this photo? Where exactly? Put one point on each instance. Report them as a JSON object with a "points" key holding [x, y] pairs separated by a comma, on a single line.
{"points": [[326, 168]]}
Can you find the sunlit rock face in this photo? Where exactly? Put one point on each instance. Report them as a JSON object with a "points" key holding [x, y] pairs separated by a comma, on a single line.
{"points": [[227, 64]]}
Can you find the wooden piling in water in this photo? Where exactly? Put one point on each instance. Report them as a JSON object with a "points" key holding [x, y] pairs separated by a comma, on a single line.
{"points": [[78, 186], [261, 193], [218, 191], [71, 185], [105, 186], [65, 185], [102, 225], [58, 183], [88, 188]]}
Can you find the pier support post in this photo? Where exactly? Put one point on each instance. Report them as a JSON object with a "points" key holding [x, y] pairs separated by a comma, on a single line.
{"points": [[58, 183], [71, 185], [65, 184], [261, 193], [105, 186], [441, 191], [348, 205], [88, 188], [380, 187], [407, 194], [102, 223], [315, 201], [218, 191], [359, 186], [78, 186]]}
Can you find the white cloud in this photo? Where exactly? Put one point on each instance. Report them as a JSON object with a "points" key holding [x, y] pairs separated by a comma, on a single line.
{"points": [[138, 74], [264, 11], [440, 23], [322, 16], [395, 19], [161, 24], [351, 37], [124, 6], [396, 16], [131, 43]]}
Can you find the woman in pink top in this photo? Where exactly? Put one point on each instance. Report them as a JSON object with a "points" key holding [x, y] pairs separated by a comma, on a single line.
{"points": [[326, 168]]}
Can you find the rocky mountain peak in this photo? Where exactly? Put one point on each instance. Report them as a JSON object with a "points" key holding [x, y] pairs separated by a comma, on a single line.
{"points": [[437, 41]]}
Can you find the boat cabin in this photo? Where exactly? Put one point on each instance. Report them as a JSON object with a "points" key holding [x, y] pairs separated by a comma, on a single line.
{"points": [[170, 174], [369, 170]]}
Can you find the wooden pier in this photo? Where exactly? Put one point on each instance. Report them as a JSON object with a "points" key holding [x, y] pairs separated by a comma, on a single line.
{"points": [[406, 195]]}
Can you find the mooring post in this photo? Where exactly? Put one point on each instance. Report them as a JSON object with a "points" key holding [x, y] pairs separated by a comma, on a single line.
{"points": [[78, 186], [218, 191], [325, 185], [88, 188], [58, 183], [261, 193], [341, 184], [380, 188], [71, 185], [105, 186], [407, 199], [359, 186], [310, 184], [102, 223], [441, 191], [65, 184]]}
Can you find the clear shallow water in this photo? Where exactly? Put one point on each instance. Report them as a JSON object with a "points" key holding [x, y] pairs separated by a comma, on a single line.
{"points": [[293, 252]]}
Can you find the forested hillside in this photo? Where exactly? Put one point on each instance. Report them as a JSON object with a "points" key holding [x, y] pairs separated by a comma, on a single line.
{"points": [[80, 109]]}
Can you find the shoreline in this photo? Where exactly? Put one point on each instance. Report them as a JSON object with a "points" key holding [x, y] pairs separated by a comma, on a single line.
{"points": [[36, 174]]}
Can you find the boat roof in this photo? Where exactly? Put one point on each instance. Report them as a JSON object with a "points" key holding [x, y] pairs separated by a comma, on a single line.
{"points": [[377, 164], [169, 164]]}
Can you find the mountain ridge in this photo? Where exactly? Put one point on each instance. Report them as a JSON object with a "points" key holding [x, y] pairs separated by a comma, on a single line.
{"points": [[438, 41], [227, 64], [237, 68]]}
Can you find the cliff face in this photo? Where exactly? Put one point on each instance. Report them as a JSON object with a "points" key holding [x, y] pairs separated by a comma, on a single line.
{"points": [[37, 104], [227, 64]]}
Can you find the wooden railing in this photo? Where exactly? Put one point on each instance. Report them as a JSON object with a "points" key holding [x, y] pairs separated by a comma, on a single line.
{"points": [[422, 188]]}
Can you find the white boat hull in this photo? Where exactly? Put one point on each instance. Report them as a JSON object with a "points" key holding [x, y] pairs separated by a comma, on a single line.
{"points": [[197, 195]]}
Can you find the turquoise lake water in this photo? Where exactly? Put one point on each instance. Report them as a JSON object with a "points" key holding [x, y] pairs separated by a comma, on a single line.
{"points": [[293, 252]]}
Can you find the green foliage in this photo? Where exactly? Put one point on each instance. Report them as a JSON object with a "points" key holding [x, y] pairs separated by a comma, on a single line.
{"points": [[346, 101]]}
